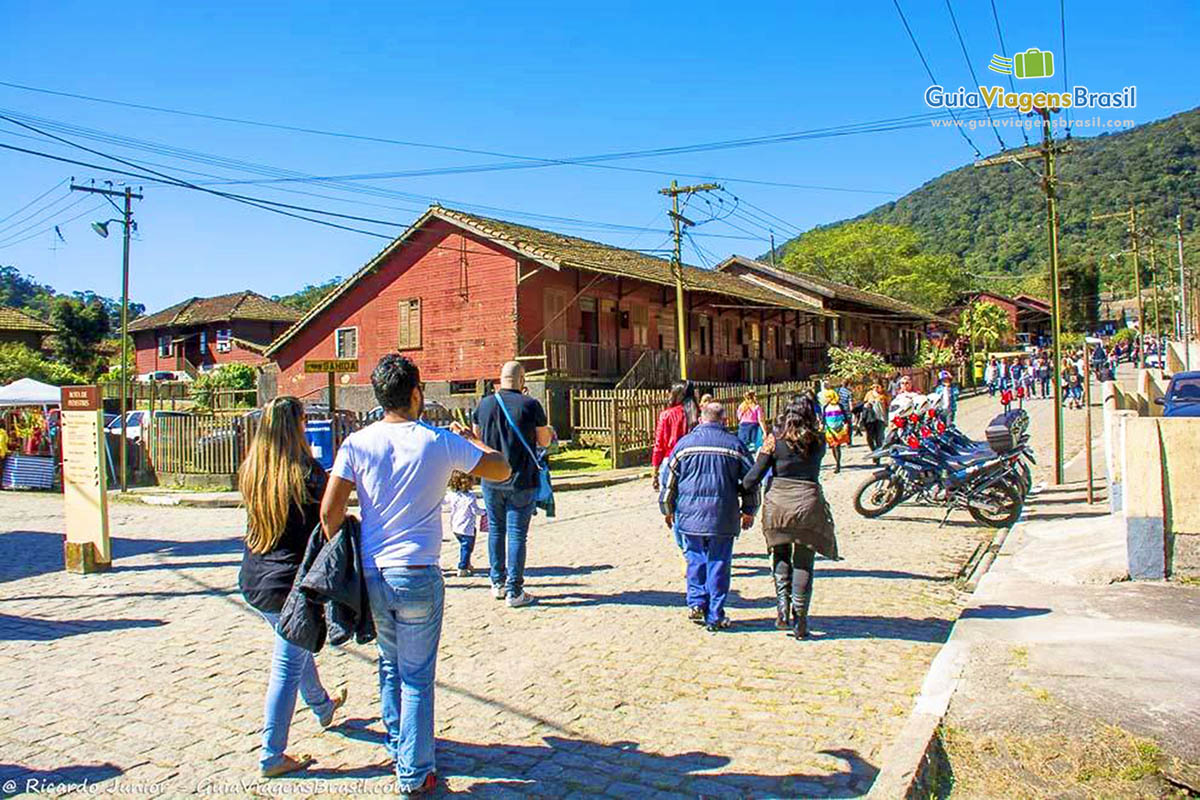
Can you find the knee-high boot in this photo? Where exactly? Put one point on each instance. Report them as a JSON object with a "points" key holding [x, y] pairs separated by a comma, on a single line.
{"points": [[782, 573], [801, 600]]}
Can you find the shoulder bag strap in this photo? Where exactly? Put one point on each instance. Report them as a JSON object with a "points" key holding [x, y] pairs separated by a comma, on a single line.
{"points": [[517, 431]]}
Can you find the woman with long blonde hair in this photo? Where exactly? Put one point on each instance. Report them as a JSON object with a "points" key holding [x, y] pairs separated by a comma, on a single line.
{"points": [[281, 485]]}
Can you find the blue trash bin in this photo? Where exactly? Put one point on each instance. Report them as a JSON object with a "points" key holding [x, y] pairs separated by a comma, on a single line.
{"points": [[319, 433]]}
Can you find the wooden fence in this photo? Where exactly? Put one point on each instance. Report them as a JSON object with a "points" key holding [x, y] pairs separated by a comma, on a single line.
{"points": [[195, 444], [623, 420]]}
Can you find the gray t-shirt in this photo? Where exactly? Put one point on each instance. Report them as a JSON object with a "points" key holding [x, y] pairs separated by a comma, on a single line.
{"points": [[400, 470]]}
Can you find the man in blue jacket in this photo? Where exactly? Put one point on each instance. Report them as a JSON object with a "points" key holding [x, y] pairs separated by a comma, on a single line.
{"points": [[701, 494]]}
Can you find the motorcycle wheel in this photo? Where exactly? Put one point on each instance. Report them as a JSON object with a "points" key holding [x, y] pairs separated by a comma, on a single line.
{"points": [[1026, 476], [997, 506], [879, 494]]}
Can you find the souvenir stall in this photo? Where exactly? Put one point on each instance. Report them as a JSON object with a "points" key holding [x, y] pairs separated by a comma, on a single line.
{"points": [[29, 435]]}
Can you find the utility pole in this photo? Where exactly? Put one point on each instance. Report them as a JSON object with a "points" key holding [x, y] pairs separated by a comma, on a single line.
{"points": [[101, 228], [772, 248], [1137, 274], [1184, 327], [1048, 181], [677, 222], [1157, 318]]}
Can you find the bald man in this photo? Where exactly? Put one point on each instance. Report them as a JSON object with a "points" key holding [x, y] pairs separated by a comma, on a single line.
{"points": [[515, 424]]}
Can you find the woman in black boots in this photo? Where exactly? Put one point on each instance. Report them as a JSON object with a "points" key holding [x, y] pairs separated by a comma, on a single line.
{"points": [[796, 519]]}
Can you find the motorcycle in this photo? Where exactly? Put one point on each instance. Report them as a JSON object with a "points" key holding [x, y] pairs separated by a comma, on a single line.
{"points": [[931, 460]]}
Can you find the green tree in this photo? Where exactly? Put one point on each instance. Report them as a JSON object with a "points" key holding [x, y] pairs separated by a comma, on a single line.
{"points": [[80, 327], [887, 259], [983, 325], [310, 295], [1079, 291], [20, 361]]}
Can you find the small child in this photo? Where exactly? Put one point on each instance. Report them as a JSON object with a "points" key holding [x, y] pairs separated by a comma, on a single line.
{"points": [[837, 429], [464, 509], [1006, 399]]}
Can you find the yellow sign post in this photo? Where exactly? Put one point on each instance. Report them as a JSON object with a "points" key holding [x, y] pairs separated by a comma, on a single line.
{"points": [[85, 497], [331, 366]]}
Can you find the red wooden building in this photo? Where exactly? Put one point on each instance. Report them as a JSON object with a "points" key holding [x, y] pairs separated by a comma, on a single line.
{"points": [[204, 332], [461, 294]]}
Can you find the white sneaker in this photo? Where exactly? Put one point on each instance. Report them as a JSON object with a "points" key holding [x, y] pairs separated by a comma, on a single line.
{"points": [[498, 592], [522, 599]]}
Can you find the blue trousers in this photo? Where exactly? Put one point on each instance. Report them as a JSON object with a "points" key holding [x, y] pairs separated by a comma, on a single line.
{"points": [[709, 562], [292, 669], [407, 606], [508, 512]]}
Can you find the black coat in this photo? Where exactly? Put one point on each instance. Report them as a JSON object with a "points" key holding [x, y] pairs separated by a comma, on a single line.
{"points": [[329, 595]]}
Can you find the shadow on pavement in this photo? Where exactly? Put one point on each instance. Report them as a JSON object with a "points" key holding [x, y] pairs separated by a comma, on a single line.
{"points": [[1002, 612], [24, 554], [35, 629], [568, 767], [908, 629], [643, 597]]}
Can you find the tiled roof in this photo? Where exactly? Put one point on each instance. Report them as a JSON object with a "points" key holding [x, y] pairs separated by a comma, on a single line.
{"points": [[245, 305], [828, 288], [559, 250], [14, 319]]}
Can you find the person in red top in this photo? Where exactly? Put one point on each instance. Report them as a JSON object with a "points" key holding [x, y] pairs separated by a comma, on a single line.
{"points": [[673, 423]]}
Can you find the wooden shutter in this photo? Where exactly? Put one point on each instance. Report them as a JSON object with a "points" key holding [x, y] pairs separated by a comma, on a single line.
{"points": [[410, 324]]}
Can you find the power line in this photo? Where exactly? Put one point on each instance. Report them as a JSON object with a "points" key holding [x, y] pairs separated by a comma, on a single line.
{"points": [[1004, 52], [971, 68], [37, 213], [36, 199], [534, 161], [91, 210], [1062, 26], [929, 72]]}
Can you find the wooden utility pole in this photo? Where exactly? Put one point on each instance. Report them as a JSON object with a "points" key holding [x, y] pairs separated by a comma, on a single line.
{"points": [[1046, 153], [677, 222], [1185, 333], [1137, 273], [1157, 318]]}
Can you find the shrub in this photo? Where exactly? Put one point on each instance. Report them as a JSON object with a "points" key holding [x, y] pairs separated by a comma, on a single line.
{"points": [[930, 355], [855, 363], [227, 376]]}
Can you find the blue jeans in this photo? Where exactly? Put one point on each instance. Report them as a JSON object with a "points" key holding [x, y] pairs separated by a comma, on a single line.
{"points": [[747, 433], [709, 562], [407, 605], [508, 512], [466, 546], [292, 669]]}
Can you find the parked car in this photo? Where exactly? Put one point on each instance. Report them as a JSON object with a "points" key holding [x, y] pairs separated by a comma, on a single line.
{"points": [[1183, 395], [163, 375], [436, 414], [135, 422]]}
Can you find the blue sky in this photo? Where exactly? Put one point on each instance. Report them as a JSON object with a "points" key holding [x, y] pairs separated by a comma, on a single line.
{"points": [[548, 80]]}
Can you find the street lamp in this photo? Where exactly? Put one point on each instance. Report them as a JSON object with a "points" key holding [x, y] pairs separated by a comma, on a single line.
{"points": [[101, 228]]}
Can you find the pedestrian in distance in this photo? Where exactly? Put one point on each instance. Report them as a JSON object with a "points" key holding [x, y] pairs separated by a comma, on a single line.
{"points": [[846, 401], [513, 423], [751, 420], [400, 467], [702, 498], [837, 431], [672, 426], [991, 376], [281, 486], [875, 414], [1043, 375], [947, 396], [796, 519], [467, 516]]}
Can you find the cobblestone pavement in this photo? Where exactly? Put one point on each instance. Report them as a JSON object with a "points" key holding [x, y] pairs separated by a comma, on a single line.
{"points": [[154, 673]]}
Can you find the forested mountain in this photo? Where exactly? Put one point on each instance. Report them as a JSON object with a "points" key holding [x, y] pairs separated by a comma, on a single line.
{"points": [[994, 218]]}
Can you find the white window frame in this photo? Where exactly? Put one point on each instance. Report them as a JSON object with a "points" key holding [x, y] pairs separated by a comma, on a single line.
{"points": [[164, 345], [224, 340], [337, 342]]}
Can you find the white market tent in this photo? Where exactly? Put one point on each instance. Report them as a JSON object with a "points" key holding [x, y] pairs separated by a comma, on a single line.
{"points": [[28, 392]]}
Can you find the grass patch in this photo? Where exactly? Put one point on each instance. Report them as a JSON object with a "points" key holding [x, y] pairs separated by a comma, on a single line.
{"points": [[580, 459], [1107, 762]]}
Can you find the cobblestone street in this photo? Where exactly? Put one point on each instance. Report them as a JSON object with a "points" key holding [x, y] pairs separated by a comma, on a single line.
{"points": [[155, 671]]}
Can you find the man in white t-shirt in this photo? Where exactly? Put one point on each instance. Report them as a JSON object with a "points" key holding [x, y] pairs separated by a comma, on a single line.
{"points": [[400, 467]]}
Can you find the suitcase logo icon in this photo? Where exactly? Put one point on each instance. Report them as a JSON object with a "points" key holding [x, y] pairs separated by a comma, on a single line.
{"points": [[1033, 63]]}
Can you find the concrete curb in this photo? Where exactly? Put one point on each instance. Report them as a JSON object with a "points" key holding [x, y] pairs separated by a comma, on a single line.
{"points": [[910, 763], [234, 500]]}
